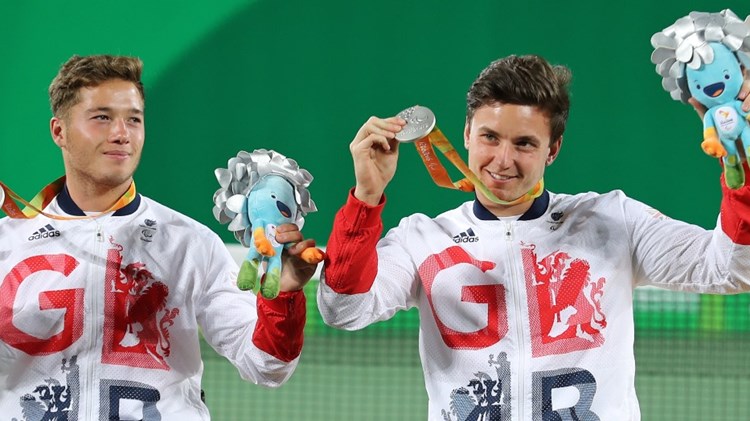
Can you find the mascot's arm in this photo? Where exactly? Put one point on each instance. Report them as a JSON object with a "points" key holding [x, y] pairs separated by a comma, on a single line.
{"points": [[262, 244], [711, 144], [312, 255]]}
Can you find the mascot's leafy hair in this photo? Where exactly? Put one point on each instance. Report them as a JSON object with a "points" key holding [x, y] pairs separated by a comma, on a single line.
{"points": [[243, 172], [685, 43]]}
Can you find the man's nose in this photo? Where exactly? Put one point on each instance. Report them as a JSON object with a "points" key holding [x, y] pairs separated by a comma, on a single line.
{"points": [[504, 155], [120, 132]]}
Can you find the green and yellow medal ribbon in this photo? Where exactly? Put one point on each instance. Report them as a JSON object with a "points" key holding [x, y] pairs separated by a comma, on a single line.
{"points": [[34, 207], [471, 182]]}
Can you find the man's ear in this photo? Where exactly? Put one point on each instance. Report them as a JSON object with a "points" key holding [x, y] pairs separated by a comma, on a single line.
{"points": [[554, 150], [467, 130], [57, 130]]}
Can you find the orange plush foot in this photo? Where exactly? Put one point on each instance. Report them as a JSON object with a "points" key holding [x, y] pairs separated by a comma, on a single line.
{"points": [[312, 255], [712, 146], [262, 244]]}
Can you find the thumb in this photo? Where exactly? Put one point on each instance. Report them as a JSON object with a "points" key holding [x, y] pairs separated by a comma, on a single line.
{"points": [[744, 95], [698, 107]]}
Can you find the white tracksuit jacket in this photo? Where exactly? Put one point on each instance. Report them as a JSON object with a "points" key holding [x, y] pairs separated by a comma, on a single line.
{"points": [[99, 318], [530, 318]]}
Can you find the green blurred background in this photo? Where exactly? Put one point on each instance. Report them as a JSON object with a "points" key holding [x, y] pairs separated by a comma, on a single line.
{"points": [[300, 77]]}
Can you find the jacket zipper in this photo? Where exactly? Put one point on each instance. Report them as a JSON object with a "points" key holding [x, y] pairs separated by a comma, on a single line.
{"points": [[520, 337], [94, 280]]}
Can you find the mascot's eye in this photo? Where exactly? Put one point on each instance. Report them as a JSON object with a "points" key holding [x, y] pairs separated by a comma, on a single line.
{"points": [[273, 196], [698, 86], [726, 77]]}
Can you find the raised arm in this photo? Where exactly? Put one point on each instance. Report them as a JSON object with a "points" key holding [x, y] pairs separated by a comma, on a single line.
{"points": [[346, 297]]}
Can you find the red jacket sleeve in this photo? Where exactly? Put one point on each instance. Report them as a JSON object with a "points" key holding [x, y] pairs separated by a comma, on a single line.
{"points": [[351, 262], [281, 323], [735, 210]]}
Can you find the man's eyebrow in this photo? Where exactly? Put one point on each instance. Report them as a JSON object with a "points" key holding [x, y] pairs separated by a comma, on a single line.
{"points": [[529, 137], [487, 129], [525, 137], [109, 109]]}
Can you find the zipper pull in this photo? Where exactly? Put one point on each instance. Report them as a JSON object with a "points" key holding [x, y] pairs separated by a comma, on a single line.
{"points": [[509, 231]]}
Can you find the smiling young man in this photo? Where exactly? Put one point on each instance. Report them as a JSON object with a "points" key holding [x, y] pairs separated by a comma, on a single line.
{"points": [[102, 294], [532, 319], [101, 138]]}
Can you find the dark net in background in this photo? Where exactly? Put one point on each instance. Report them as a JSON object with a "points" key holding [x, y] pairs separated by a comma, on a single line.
{"points": [[692, 354]]}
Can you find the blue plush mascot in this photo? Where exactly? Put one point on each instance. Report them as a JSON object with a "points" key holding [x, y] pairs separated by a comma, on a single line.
{"points": [[260, 191], [703, 55]]}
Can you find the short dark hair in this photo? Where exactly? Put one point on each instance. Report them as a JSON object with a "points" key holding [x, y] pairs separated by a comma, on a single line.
{"points": [[89, 71], [524, 80]]}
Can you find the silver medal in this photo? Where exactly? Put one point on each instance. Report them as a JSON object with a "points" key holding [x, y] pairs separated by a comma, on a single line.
{"points": [[419, 123]]}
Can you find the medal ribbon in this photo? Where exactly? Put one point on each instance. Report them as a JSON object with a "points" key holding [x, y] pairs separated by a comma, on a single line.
{"points": [[442, 179], [45, 196]]}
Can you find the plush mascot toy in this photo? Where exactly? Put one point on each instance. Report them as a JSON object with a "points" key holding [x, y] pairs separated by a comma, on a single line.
{"points": [[702, 55], [260, 191]]}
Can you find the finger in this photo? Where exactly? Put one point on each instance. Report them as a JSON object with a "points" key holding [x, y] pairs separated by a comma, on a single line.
{"points": [[384, 143], [396, 121], [371, 141], [303, 245], [285, 237], [391, 123], [385, 127], [287, 227], [745, 94], [698, 107]]}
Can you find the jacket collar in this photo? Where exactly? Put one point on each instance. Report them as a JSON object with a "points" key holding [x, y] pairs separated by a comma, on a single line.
{"points": [[69, 206]]}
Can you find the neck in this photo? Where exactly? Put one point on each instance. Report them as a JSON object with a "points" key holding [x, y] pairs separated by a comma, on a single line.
{"points": [[93, 197], [505, 210]]}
